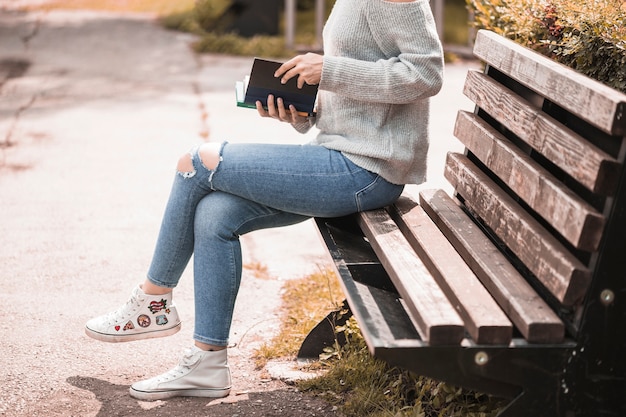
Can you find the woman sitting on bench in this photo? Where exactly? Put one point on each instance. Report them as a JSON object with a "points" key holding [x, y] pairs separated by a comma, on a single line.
{"points": [[382, 61]]}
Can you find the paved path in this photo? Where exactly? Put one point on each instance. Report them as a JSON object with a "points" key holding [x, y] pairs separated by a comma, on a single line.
{"points": [[94, 111]]}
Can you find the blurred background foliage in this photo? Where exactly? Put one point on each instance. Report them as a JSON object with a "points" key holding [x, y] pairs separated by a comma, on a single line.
{"points": [[209, 19], [205, 19], [586, 35]]}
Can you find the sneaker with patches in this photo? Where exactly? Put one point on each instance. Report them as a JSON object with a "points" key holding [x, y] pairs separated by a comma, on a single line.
{"points": [[199, 373], [143, 316]]}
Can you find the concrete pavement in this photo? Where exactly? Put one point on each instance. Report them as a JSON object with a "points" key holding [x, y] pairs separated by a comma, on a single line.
{"points": [[95, 109]]}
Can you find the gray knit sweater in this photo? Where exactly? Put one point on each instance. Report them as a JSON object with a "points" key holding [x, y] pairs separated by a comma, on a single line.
{"points": [[382, 61]]}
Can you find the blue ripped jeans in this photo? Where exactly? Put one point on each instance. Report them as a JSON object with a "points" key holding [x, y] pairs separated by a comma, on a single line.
{"points": [[254, 186]]}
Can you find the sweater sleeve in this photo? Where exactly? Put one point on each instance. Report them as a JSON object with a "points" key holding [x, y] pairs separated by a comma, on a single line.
{"points": [[410, 62], [305, 126]]}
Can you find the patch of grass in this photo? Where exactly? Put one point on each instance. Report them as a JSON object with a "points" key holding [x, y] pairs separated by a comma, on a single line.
{"points": [[182, 21], [353, 380], [258, 269], [306, 302], [229, 43], [364, 386]]}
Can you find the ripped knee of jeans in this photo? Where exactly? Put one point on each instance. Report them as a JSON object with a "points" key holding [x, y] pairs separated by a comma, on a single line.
{"points": [[209, 155], [185, 166]]}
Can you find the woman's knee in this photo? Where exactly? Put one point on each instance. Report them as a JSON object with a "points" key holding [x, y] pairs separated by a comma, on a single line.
{"points": [[209, 154], [217, 214], [185, 165]]}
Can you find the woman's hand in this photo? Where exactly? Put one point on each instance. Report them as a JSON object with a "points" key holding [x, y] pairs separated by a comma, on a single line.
{"points": [[307, 67], [276, 110]]}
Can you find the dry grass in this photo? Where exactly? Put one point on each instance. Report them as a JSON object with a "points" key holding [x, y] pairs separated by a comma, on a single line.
{"points": [[157, 7], [359, 384], [306, 302]]}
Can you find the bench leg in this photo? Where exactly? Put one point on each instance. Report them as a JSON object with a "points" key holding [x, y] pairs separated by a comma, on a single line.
{"points": [[324, 335]]}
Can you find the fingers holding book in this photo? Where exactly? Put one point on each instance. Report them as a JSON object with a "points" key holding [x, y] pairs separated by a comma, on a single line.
{"points": [[307, 68], [276, 110], [262, 83]]}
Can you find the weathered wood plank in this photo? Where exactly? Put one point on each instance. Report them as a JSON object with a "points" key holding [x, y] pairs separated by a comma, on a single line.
{"points": [[590, 100], [559, 271], [382, 318], [592, 167], [379, 313], [485, 322], [436, 319], [534, 319], [574, 218]]}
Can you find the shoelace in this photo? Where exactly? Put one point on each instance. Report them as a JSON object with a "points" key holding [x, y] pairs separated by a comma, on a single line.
{"points": [[183, 366], [125, 311]]}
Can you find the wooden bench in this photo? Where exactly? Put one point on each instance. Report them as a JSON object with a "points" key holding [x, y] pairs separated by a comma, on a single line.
{"points": [[515, 285]]}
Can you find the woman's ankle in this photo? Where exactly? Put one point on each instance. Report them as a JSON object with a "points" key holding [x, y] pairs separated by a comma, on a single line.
{"points": [[151, 289], [208, 347]]}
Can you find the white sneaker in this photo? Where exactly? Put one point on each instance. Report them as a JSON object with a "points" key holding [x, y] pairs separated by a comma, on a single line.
{"points": [[142, 317], [198, 374]]}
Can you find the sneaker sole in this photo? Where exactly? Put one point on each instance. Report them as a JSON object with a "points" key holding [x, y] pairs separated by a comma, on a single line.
{"points": [[162, 395], [104, 337]]}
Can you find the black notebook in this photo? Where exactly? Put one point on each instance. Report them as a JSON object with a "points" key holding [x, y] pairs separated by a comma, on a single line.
{"points": [[261, 83]]}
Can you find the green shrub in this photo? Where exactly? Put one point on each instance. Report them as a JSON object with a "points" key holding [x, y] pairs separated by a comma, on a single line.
{"points": [[207, 14], [586, 35], [230, 43], [181, 21], [210, 20], [305, 4]]}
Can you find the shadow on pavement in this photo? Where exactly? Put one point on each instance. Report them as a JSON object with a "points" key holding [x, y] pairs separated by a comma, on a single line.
{"points": [[115, 401]]}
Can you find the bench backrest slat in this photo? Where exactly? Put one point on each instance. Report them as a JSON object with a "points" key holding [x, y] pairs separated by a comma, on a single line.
{"points": [[593, 168], [544, 156], [575, 219], [597, 103], [544, 255]]}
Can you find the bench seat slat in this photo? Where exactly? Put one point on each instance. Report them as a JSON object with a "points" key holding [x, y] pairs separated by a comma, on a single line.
{"points": [[592, 167], [380, 313], [485, 322], [555, 267], [574, 218], [590, 100], [534, 319], [435, 317]]}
